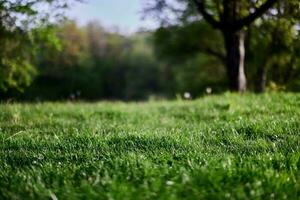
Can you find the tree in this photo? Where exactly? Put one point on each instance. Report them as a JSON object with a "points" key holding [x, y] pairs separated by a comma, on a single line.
{"points": [[20, 28], [282, 49], [231, 17], [272, 52]]}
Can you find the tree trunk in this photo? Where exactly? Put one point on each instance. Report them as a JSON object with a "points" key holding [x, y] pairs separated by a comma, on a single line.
{"points": [[262, 80], [235, 59]]}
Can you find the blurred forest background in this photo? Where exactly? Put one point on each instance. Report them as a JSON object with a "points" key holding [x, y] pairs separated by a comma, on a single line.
{"points": [[63, 60]]}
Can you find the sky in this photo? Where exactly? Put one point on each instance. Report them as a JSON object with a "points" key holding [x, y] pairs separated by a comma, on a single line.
{"points": [[124, 14]]}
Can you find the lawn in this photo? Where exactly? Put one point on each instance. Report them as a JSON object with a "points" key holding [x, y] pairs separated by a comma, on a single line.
{"points": [[218, 147]]}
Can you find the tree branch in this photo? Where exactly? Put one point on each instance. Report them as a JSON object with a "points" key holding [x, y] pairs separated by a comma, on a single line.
{"points": [[246, 21], [200, 4]]}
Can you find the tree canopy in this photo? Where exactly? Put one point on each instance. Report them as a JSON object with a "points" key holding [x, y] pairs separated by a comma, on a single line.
{"points": [[233, 19], [22, 24]]}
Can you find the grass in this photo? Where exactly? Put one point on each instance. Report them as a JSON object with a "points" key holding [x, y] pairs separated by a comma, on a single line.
{"points": [[219, 147]]}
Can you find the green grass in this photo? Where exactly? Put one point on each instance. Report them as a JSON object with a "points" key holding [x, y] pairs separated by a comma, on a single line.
{"points": [[219, 147]]}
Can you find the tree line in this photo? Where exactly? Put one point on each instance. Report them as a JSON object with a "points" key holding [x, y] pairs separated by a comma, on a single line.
{"points": [[206, 46]]}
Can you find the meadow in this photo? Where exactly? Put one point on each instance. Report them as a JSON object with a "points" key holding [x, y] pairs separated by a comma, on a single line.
{"points": [[227, 146]]}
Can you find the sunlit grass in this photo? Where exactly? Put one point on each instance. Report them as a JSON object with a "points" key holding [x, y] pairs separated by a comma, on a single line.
{"points": [[219, 147]]}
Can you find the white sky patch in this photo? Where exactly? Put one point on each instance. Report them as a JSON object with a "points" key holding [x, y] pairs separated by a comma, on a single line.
{"points": [[123, 15]]}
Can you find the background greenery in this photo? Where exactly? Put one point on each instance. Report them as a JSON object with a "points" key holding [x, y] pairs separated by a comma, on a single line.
{"points": [[67, 61]]}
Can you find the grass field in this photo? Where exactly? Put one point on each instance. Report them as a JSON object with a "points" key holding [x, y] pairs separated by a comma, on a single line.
{"points": [[219, 147]]}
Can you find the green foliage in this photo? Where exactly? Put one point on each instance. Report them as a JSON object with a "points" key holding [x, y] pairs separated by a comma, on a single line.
{"points": [[16, 70], [15, 74], [276, 29], [220, 147], [272, 43], [198, 74], [95, 64], [180, 43], [54, 62], [196, 55], [22, 24]]}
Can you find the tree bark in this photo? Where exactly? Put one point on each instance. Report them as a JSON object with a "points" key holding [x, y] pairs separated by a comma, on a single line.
{"points": [[235, 59]]}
